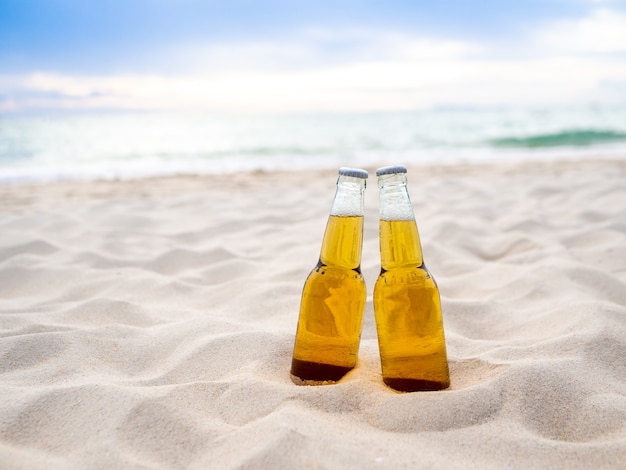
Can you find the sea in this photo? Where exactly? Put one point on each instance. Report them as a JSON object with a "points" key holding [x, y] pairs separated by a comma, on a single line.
{"points": [[69, 145]]}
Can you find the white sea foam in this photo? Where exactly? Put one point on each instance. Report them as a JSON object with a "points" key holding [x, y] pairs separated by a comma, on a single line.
{"points": [[136, 144]]}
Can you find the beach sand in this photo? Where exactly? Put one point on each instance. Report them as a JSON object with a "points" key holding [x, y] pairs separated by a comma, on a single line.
{"points": [[150, 323]]}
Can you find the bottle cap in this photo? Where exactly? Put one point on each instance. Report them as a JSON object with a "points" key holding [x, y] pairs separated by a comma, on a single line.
{"points": [[354, 172], [391, 170]]}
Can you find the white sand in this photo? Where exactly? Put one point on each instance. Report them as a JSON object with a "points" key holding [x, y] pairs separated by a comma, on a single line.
{"points": [[150, 324]]}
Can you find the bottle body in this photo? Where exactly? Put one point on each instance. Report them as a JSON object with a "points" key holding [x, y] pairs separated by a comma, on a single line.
{"points": [[333, 297], [407, 304]]}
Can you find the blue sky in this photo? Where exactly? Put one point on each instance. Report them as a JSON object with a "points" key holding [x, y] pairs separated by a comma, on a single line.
{"points": [[275, 56]]}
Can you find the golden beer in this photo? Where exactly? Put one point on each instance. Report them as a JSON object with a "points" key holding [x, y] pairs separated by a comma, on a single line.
{"points": [[333, 297], [407, 307]]}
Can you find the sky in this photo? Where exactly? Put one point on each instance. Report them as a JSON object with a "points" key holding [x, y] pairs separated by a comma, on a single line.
{"points": [[302, 56]]}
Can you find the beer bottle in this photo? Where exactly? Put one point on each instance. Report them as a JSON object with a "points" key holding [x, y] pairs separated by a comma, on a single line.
{"points": [[406, 298], [333, 297]]}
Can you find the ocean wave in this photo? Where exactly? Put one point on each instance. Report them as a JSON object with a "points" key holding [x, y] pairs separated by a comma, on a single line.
{"points": [[41, 147], [572, 138]]}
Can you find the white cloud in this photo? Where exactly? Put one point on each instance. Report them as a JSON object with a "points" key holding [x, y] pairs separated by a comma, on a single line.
{"points": [[385, 72], [603, 31], [383, 85], [312, 49]]}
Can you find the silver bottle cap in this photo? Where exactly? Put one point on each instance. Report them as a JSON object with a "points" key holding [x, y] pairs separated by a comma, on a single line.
{"points": [[354, 172], [391, 170]]}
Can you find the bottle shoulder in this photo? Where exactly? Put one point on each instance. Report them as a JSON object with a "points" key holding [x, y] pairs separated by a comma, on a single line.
{"points": [[407, 275], [335, 276], [323, 269]]}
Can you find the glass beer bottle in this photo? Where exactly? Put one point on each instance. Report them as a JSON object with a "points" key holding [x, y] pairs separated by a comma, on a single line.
{"points": [[333, 297], [407, 306]]}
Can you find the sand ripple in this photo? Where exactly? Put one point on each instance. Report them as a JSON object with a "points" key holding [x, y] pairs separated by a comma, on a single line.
{"points": [[150, 324]]}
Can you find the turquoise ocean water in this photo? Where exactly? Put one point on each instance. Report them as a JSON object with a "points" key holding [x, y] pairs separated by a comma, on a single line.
{"points": [[91, 145]]}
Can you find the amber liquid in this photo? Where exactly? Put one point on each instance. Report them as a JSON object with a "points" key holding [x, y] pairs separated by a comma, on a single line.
{"points": [[331, 311], [408, 313]]}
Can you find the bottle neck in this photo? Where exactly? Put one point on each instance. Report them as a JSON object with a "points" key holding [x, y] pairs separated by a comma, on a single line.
{"points": [[400, 244], [343, 239], [349, 197], [395, 203]]}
